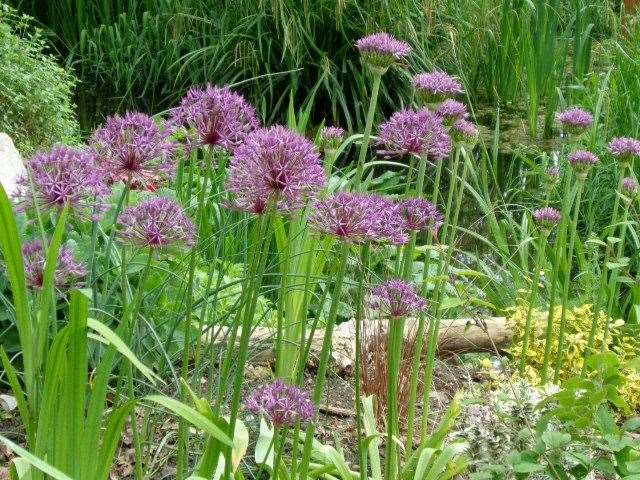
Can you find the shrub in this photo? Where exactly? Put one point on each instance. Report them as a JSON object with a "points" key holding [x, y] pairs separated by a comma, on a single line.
{"points": [[35, 92]]}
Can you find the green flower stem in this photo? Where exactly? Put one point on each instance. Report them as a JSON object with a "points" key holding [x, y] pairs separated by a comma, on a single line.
{"points": [[409, 248], [434, 326], [419, 340], [533, 296], [394, 347], [567, 278], [366, 136], [555, 273], [325, 354], [401, 249]]}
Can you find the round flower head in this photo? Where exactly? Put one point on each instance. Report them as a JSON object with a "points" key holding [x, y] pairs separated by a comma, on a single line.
{"points": [[582, 161], [451, 110], [284, 405], [435, 87], [396, 299], [411, 132], [575, 120], [274, 166], [156, 223], [546, 218], [64, 176], [134, 150], [214, 116], [630, 187], [463, 131], [358, 218], [68, 273], [419, 214], [381, 50], [331, 138], [625, 149]]}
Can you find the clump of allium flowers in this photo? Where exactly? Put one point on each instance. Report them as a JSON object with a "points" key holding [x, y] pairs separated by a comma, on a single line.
{"points": [[380, 51], [546, 218], [420, 214], [134, 150], [582, 161], [463, 131], [156, 223], [69, 273], [331, 138], [414, 132], [358, 218], [435, 87], [574, 120], [274, 166], [630, 187], [396, 299], [64, 176], [625, 149], [451, 110], [284, 405], [215, 117]]}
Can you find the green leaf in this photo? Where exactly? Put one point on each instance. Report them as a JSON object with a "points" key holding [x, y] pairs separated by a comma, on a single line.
{"points": [[451, 302], [555, 440], [528, 467], [23, 407], [263, 454], [35, 461], [111, 439], [113, 339], [631, 425], [192, 416]]}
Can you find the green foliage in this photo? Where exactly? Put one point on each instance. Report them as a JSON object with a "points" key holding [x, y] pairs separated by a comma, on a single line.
{"points": [[35, 92]]}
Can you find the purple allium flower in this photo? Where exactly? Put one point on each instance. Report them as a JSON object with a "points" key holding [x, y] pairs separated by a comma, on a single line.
{"points": [[411, 132], [331, 138], [358, 218], [68, 274], [435, 87], [214, 116], [62, 176], [463, 131], [419, 214], [582, 161], [134, 150], [381, 50], [274, 165], [396, 299], [451, 110], [284, 405], [575, 120], [625, 149], [157, 222], [546, 218], [630, 187]]}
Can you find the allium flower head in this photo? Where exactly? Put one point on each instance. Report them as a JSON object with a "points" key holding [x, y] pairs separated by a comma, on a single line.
{"points": [[582, 161], [134, 150], [419, 214], [358, 218], [575, 120], [63, 176], [435, 87], [68, 274], [630, 187], [546, 218], [331, 138], [411, 132], [625, 149], [451, 110], [284, 405], [463, 131], [156, 223], [214, 116], [396, 299], [274, 165], [381, 50]]}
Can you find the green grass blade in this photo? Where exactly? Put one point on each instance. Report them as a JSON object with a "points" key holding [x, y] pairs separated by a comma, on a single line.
{"points": [[34, 460], [110, 441], [21, 400]]}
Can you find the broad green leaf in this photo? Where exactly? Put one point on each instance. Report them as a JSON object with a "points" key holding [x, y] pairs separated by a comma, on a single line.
{"points": [[369, 422], [451, 302], [263, 454], [554, 440], [424, 462], [112, 338], [35, 461], [528, 467], [192, 416]]}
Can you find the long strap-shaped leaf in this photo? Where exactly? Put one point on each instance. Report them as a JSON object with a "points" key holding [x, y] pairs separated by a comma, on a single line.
{"points": [[34, 460], [11, 249]]}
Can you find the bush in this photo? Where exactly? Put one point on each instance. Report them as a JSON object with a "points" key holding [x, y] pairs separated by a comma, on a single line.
{"points": [[35, 92]]}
